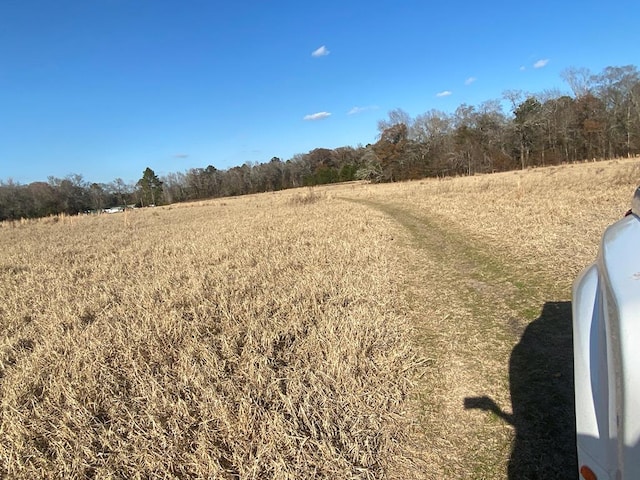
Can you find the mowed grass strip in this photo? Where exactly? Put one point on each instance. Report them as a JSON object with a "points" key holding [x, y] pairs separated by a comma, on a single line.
{"points": [[260, 337], [490, 262], [454, 291], [546, 221]]}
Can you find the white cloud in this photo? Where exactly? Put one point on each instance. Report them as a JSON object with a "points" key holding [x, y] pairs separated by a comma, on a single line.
{"points": [[445, 93], [317, 116], [181, 155], [470, 80], [320, 52], [356, 110], [541, 63], [523, 68]]}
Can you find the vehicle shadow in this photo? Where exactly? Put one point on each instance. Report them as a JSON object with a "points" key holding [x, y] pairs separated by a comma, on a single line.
{"points": [[542, 398]]}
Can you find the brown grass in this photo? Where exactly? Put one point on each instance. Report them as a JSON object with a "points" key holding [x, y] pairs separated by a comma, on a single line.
{"points": [[493, 261], [549, 218], [255, 338], [300, 335]]}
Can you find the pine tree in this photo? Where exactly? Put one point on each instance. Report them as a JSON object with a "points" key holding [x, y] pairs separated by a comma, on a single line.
{"points": [[151, 188]]}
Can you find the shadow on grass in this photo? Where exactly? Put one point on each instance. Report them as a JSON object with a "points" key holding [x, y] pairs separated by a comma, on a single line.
{"points": [[541, 383]]}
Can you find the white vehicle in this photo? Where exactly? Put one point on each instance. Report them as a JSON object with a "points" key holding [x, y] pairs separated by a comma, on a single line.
{"points": [[113, 210], [606, 342]]}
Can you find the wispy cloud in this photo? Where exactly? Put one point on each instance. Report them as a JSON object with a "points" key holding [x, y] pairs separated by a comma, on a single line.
{"points": [[444, 93], [181, 155], [522, 68], [541, 63], [470, 80], [356, 110], [317, 116], [320, 52]]}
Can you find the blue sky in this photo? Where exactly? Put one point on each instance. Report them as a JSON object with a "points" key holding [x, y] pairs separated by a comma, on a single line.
{"points": [[105, 88]]}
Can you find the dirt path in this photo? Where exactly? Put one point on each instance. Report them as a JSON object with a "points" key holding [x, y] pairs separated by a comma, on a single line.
{"points": [[496, 400]]}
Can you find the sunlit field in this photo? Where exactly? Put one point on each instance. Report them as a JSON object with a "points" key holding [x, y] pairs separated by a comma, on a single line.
{"points": [[257, 337], [490, 261], [298, 334], [550, 218]]}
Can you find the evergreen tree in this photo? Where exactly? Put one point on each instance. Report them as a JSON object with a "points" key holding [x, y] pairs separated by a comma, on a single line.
{"points": [[150, 188]]}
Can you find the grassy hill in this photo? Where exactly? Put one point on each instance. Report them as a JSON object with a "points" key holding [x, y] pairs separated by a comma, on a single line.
{"points": [[402, 330]]}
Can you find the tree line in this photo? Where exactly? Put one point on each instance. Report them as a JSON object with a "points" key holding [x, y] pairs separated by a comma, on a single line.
{"points": [[73, 195], [600, 119]]}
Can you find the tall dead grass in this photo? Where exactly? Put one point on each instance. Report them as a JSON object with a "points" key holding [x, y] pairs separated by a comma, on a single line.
{"points": [[267, 336], [247, 338], [549, 220], [491, 261]]}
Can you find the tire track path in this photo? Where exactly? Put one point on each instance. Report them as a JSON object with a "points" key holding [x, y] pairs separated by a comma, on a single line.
{"points": [[472, 311]]}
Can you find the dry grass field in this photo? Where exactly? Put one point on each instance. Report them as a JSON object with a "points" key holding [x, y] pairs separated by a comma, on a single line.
{"points": [[490, 261], [258, 337], [352, 331]]}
